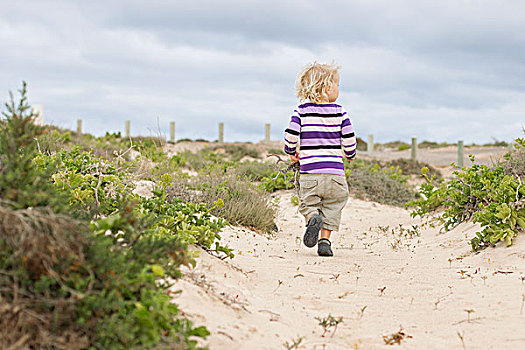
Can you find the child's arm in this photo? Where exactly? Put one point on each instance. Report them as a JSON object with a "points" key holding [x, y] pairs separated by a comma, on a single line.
{"points": [[348, 137], [291, 137]]}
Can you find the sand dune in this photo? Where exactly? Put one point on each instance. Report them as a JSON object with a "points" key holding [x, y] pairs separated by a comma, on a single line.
{"points": [[429, 285]]}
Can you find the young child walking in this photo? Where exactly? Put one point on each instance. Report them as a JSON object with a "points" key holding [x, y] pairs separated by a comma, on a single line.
{"points": [[319, 135]]}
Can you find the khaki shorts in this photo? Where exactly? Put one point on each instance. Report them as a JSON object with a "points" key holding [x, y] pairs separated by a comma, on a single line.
{"points": [[323, 194]]}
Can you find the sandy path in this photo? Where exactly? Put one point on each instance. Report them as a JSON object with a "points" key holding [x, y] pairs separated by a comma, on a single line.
{"points": [[274, 289]]}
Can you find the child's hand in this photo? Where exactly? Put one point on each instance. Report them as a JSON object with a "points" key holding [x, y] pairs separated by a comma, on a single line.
{"points": [[295, 158]]}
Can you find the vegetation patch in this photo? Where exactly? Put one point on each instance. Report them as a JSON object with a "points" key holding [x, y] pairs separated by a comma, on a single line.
{"points": [[243, 203], [414, 167], [372, 181], [83, 263], [237, 152], [492, 196]]}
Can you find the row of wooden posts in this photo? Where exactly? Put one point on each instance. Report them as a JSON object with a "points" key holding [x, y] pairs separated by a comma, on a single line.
{"points": [[39, 110], [370, 144], [127, 131]]}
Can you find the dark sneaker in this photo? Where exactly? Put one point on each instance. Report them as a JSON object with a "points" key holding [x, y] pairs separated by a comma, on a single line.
{"points": [[312, 231], [324, 247]]}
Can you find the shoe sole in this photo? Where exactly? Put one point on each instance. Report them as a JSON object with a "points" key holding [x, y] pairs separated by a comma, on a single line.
{"points": [[312, 231]]}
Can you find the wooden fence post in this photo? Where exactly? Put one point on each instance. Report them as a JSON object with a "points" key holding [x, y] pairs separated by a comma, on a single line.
{"points": [[267, 133], [128, 129], [221, 132], [370, 145], [79, 126], [460, 153], [172, 132], [39, 111], [413, 153]]}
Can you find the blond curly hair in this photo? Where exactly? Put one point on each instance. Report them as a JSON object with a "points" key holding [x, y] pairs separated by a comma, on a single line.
{"points": [[313, 81]]}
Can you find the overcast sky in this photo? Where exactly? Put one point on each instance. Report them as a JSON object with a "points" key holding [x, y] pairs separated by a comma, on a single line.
{"points": [[439, 70]]}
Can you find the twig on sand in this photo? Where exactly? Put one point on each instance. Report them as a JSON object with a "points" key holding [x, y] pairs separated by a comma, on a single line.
{"points": [[273, 315], [395, 338], [295, 167], [280, 282], [460, 335]]}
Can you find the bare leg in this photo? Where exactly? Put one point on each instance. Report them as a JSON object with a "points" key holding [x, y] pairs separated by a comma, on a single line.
{"points": [[325, 233]]}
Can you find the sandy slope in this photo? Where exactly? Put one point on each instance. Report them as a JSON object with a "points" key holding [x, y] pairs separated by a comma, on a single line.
{"points": [[274, 288]]}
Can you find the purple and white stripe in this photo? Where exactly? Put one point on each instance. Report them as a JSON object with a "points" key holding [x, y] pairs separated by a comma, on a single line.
{"points": [[318, 129]]}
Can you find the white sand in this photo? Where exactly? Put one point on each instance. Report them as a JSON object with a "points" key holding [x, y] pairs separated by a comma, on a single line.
{"points": [[274, 288]]}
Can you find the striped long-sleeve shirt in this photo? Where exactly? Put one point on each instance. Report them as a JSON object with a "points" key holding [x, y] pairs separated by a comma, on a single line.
{"points": [[319, 132]]}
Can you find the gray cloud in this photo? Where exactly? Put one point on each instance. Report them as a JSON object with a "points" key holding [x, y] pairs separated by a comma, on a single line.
{"points": [[440, 70]]}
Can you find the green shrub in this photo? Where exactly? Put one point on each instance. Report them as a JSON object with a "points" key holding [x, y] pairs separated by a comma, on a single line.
{"points": [[278, 181], [395, 144], [237, 152], [201, 160], [254, 171], [403, 147], [244, 203], [279, 151], [414, 167], [489, 195], [496, 143], [71, 281], [514, 161], [93, 183], [432, 144], [383, 185], [191, 223]]}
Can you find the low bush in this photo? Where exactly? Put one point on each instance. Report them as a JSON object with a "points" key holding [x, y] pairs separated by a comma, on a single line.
{"points": [[433, 144], [70, 278], [371, 181], [492, 196], [243, 202], [279, 180], [395, 145], [414, 167], [237, 152], [254, 171], [514, 161], [279, 151], [496, 143], [201, 160]]}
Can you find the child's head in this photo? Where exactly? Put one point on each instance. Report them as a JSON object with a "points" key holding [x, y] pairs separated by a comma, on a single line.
{"points": [[318, 83]]}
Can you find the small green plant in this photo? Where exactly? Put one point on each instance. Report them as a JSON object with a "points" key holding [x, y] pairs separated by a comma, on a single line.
{"points": [[329, 322], [294, 199], [294, 344]]}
